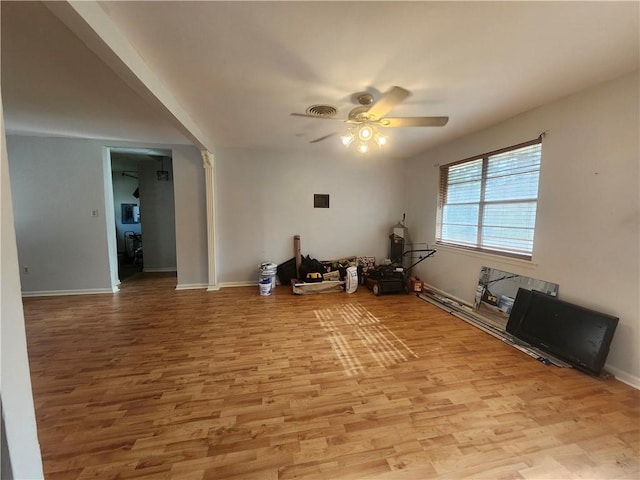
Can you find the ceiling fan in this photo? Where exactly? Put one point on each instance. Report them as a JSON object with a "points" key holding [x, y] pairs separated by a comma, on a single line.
{"points": [[368, 116]]}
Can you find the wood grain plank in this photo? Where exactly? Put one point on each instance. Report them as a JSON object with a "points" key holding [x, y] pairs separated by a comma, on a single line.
{"points": [[153, 383]]}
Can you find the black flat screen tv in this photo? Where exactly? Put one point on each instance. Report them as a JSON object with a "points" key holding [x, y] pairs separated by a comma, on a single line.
{"points": [[575, 334], [518, 310]]}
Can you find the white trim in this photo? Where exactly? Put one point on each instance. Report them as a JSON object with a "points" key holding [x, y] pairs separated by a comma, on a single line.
{"points": [[445, 294], [191, 286], [624, 377], [196, 286], [59, 293], [109, 217], [159, 269], [208, 161], [238, 284]]}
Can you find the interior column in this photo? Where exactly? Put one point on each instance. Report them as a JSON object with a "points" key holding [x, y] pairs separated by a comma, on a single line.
{"points": [[209, 171]]}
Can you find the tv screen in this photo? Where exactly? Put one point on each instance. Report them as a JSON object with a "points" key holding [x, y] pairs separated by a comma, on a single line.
{"points": [[517, 311], [578, 335]]}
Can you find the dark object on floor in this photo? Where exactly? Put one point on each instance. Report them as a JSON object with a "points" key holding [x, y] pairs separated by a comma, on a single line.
{"points": [[393, 278], [286, 271], [387, 279], [313, 277], [309, 267], [578, 335]]}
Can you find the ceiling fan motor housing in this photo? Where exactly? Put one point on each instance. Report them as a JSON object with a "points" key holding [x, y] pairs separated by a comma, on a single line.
{"points": [[365, 99]]}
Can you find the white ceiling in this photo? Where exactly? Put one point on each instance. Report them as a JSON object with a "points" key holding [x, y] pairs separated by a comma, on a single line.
{"points": [[240, 68]]}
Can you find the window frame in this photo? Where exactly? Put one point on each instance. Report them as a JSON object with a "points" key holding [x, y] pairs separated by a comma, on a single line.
{"points": [[443, 173]]}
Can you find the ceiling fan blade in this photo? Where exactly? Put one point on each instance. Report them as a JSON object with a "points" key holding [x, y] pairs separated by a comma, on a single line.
{"points": [[414, 122], [323, 138], [315, 116], [390, 99]]}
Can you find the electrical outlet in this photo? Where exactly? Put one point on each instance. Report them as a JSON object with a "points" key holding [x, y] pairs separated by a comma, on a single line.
{"points": [[25, 269], [94, 213]]}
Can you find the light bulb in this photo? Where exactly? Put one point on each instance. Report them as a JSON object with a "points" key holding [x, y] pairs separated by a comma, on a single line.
{"points": [[365, 132], [347, 139], [363, 148], [381, 140]]}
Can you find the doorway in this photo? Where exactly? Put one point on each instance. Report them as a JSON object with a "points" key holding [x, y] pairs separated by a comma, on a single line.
{"points": [[144, 211]]}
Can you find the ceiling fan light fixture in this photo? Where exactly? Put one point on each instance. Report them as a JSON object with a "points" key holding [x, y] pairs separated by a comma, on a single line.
{"points": [[365, 133], [366, 119], [347, 139]]}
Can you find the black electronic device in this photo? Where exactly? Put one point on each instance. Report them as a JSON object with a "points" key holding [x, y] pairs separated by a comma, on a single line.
{"points": [[576, 334], [517, 311]]}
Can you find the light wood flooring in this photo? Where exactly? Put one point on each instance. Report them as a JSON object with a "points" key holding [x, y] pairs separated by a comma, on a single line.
{"points": [[155, 383]]}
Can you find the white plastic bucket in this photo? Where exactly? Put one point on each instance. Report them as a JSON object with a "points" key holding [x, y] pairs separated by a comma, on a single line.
{"points": [[265, 287], [268, 278], [268, 272]]}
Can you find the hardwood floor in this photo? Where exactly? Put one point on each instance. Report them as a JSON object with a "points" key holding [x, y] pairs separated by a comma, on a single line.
{"points": [[155, 383]]}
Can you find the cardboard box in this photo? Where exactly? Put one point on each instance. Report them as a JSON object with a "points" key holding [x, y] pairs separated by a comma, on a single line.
{"points": [[334, 275], [367, 263]]}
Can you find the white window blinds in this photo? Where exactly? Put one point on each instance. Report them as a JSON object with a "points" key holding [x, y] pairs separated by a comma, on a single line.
{"points": [[488, 202]]}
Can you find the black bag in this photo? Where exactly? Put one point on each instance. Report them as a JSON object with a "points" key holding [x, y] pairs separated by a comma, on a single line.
{"points": [[287, 271], [309, 267]]}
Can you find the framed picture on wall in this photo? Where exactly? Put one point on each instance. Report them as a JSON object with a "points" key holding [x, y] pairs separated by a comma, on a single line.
{"points": [[130, 213]]}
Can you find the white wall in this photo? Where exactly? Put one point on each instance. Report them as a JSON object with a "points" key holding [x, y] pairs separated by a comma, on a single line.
{"points": [[17, 400], [587, 227], [56, 183], [264, 198], [157, 213], [191, 217]]}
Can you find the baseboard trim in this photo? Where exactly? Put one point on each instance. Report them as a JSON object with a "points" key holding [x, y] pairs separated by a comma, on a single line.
{"points": [[60, 293], [238, 284], [196, 286], [448, 295], [624, 377], [159, 269], [191, 286]]}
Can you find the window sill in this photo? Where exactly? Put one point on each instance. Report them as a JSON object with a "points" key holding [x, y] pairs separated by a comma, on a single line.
{"points": [[526, 264]]}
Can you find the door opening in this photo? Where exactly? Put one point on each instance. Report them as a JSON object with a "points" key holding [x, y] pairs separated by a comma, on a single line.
{"points": [[143, 203]]}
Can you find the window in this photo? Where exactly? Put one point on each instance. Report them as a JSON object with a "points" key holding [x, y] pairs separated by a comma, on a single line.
{"points": [[488, 203]]}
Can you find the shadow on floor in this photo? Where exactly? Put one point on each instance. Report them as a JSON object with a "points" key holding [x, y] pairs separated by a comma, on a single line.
{"points": [[128, 271]]}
